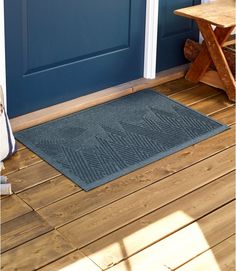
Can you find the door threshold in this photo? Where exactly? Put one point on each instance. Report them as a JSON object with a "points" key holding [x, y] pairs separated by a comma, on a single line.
{"points": [[99, 97]]}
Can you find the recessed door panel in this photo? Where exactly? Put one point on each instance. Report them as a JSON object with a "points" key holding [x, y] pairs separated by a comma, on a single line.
{"points": [[62, 49]]}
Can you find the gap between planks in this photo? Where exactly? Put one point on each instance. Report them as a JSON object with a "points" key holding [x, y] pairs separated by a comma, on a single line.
{"points": [[194, 196], [110, 252], [204, 234], [220, 102], [115, 190], [177, 85], [169, 84], [72, 189], [26, 194], [222, 110], [150, 198], [162, 222], [23, 153], [219, 257], [70, 182]]}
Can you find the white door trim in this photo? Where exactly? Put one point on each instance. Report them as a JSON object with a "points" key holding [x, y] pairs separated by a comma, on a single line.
{"points": [[150, 51], [151, 37], [2, 50]]}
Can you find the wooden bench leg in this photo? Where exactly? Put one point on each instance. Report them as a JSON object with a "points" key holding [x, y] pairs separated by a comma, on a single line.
{"points": [[214, 48], [203, 61]]}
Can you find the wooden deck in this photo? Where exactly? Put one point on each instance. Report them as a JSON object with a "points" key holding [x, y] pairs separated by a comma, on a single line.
{"points": [[174, 214]]}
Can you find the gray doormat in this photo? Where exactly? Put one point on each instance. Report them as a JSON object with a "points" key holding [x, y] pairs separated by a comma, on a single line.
{"points": [[99, 144]]}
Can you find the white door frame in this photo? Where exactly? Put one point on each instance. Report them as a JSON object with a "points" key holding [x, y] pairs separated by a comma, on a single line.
{"points": [[150, 51], [151, 36]]}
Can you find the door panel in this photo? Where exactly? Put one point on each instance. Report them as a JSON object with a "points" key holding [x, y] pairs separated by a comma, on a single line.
{"points": [[173, 31], [58, 50]]}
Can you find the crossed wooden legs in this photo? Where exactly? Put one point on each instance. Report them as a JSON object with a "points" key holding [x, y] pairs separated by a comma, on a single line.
{"points": [[212, 51]]}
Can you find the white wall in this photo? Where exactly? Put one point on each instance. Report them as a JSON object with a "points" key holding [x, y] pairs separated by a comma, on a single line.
{"points": [[2, 50]]}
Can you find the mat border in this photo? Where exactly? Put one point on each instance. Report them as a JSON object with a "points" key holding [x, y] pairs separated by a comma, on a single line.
{"points": [[87, 187]]}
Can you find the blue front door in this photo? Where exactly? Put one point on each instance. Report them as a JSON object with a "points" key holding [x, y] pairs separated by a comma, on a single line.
{"points": [[173, 31], [57, 50]]}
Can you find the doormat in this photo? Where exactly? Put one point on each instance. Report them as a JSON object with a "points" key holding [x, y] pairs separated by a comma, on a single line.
{"points": [[99, 144]]}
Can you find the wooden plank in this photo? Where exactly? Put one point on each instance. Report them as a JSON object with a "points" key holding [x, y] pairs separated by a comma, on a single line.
{"points": [[226, 116], [49, 186], [213, 104], [161, 78], [20, 146], [212, 78], [179, 97], [66, 108], [230, 41], [219, 258], [196, 94], [22, 229], [151, 228], [31, 176], [220, 13], [36, 253], [202, 103], [70, 208], [122, 212], [49, 192], [21, 159], [12, 207], [185, 244], [175, 86], [75, 261], [218, 57], [69, 107]]}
